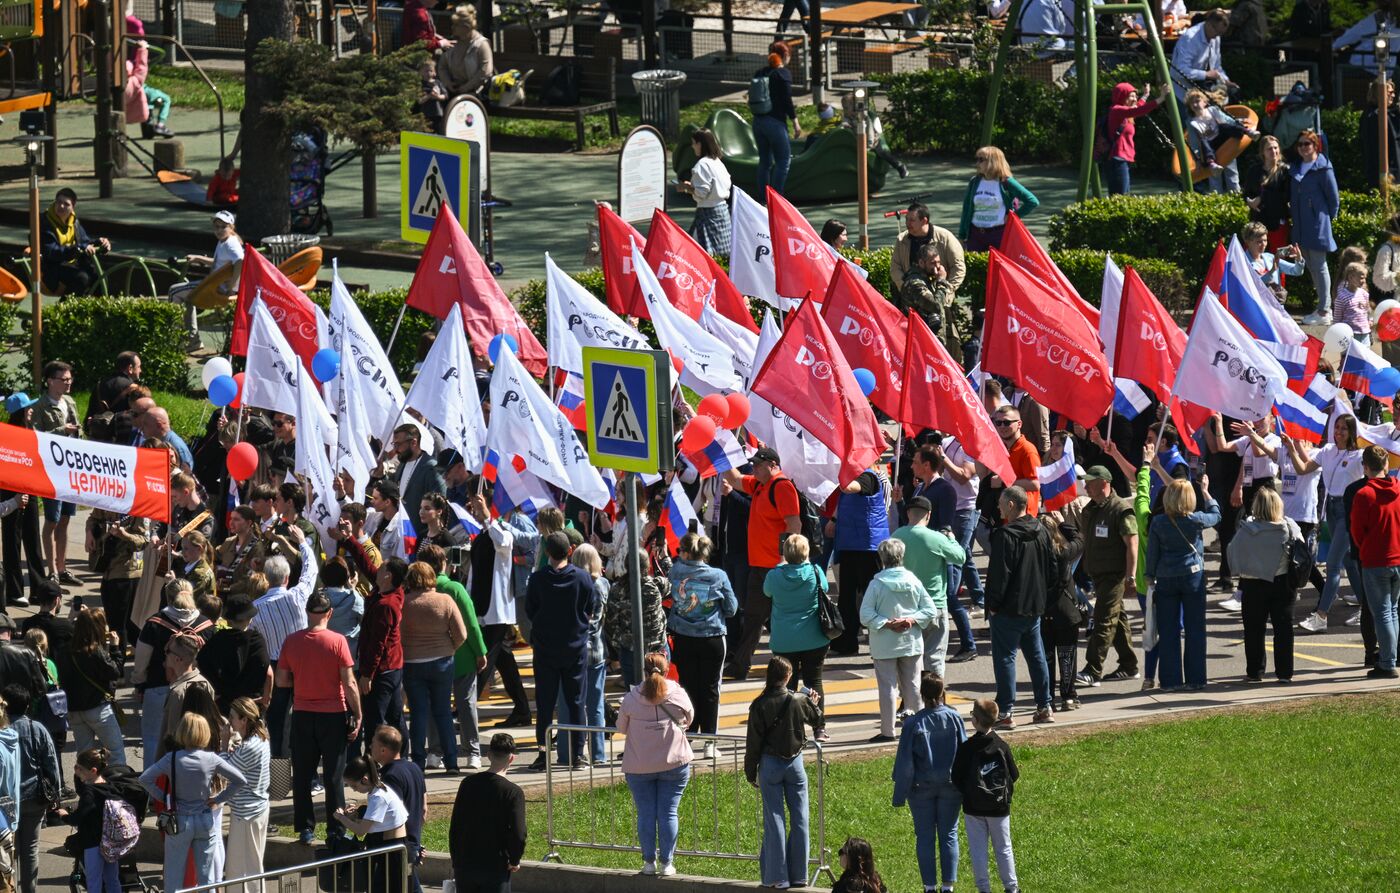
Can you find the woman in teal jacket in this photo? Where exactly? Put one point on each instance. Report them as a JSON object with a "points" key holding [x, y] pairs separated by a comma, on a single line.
{"points": [[991, 195], [794, 586]]}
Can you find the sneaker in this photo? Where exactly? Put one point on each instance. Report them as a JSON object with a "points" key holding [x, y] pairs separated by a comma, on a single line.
{"points": [[473, 762], [306, 838], [1120, 675], [317, 787], [1354, 620], [67, 579], [902, 169], [976, 611], [648, 868], [1149, 684], [1005, 724], [433, 761], [539, 764], [880, 739], [1043, 715], [822, 735], [1069, 704], [1232, 603], [1316, 319], [668, 870], [1349, 600], [1314, 623], [1253, 678], [710, 750], [1086, 679], [964, 655], [19, 601], [1378, 673]]}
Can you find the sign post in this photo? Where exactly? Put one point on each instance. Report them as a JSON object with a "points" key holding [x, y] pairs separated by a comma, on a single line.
{"points": [[641, 175], [628, 395], [435, 171]]}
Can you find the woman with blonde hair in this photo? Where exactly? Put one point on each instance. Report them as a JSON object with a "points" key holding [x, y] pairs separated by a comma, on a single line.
{"points": [[197, 564], [248, 808], [1259, 554], [467, 66], [1175, 567], [992, 193], [654, 716], [596, 673], [1267, 187]]}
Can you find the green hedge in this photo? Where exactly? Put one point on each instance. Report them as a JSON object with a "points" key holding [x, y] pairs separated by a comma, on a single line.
{"points": [[88, 333], [1084, 268]]}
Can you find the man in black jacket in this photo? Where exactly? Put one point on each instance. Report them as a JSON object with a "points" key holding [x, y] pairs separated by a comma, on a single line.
{"points": [[487, 836], [1018, 575], [560, 600], [235, 661]]}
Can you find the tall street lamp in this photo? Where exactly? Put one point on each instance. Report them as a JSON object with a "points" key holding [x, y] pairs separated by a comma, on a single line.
{"points": [[32, 142]]}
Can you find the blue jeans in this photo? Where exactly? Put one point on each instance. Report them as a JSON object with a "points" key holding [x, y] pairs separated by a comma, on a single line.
{"points": [[786, 15], [1383, 597], [428, 686], [774, 153], [935, 808], [98, 726], [964, 524], [1339, 556], [783, 857], [1316, 260], [152, 717], [593, 681], [1009, 635], [102, 877], [1117, 179], [1180, 602], [657, 796], [197, 833]]}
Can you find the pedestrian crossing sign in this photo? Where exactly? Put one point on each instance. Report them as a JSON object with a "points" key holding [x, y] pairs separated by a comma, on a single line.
{"points": [[628, 399], [435, 171]]}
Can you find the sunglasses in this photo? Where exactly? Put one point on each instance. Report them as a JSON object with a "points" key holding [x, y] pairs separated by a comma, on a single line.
{"points": [[1005, 423]]}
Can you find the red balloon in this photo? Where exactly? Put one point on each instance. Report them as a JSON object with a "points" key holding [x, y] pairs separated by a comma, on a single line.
{"points": [[676, 361], [739, 410], [716, 407], [242, 461], [1388, 326], [699, 433], [238, 400]]}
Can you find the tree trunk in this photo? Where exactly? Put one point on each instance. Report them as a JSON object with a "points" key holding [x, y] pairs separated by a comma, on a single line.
{"points": [[369, 181], [264, 207]]}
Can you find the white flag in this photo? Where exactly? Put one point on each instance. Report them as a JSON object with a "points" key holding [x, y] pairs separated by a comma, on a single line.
{"points": [[707, 363], [1225, 368], [525, 423], [751, 255], [734, 336], [322, 508], [813, 468], [270, 381], [366, 394], [576, 318], [445, 391]]}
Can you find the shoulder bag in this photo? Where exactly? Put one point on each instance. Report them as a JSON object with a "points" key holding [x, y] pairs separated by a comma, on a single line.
{"points": [[167, 821], [828, 613]]}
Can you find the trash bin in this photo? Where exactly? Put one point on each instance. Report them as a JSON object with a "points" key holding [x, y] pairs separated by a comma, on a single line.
{"points": [[660, 93], [279, 248]]}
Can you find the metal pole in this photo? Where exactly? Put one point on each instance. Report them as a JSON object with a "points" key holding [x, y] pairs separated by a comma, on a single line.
{"points": [[37, 300], [634, 572], [817, 53], [1086, 45], [648, 33], [863, 178], [102, 148], [989, 114], [1383, 108]]}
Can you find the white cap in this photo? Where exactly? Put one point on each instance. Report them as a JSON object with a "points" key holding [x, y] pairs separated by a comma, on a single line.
{"points": [[224, 217]]}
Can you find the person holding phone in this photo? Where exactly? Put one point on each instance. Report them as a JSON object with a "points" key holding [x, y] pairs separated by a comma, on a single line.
{"points": [[702, 600]]}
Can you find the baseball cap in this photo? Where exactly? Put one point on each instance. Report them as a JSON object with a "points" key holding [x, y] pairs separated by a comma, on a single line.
{"points": [[767, 454], [6, 622], [224, 217], [318, 603], [921, 503], [1098, 473], [18, 402], [45, 591], [448, 458]]}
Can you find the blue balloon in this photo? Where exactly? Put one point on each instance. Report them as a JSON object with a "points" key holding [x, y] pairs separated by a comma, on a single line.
{"points": [[325, 365], [1387, 381], [866, 379], [223, 390], [494, 350]]}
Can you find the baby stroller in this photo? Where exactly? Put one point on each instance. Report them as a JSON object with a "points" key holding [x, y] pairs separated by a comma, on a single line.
{"points": [[124, 779], [310, 164]]}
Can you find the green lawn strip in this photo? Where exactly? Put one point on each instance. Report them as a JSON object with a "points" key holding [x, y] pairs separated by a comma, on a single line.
{"points": [[188, 90], [1290, 798], [188, 415]]}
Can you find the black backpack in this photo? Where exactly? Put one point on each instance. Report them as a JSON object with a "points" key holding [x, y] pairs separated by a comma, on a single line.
{"points": [[1103, 143], [811, 518], [561, 85], [994, 781]]}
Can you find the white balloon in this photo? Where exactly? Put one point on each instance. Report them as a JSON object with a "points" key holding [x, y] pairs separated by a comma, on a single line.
{"points": [[1382, 307], [1334, 343], [214, 368]]}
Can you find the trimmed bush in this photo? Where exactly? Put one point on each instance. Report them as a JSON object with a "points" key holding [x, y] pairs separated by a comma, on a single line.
{"points": [[1084, 268], [88, 333]]}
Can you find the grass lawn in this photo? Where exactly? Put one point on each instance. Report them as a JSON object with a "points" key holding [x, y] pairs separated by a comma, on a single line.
{"points": [[188, 90], [1299, 797], [188, 415]]}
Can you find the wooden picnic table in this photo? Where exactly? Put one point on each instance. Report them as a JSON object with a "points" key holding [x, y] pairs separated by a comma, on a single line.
{"points": [[863, 13]]}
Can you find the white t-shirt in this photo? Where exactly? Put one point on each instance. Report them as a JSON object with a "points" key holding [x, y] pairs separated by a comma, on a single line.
{"points": [[967, 493], [988, 207], [384, 810], [1256, 467], [1299, 491], [1340, 468], [228, 251]]}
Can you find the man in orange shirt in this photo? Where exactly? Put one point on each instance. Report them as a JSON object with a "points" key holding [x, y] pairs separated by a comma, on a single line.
{"points": [[1025, 459], [775, 512]]}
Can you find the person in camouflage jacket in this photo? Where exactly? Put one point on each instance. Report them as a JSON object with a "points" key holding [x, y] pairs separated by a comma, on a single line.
{"points": [[928, 293]]}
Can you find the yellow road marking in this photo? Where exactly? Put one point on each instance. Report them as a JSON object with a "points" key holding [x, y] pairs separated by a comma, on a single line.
{"points": [[1321, 660]]}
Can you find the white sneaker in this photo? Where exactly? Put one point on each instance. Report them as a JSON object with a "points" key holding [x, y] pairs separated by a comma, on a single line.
{"points": [[1350, 600], [1232, 603], [1318, 318], [473, 762], [668, 870], [433, 761], [709, 750], [1314, 623], [648, 868], [1354, 620]]}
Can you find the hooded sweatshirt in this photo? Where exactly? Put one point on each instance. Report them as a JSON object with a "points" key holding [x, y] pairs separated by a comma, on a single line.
{"points": [[895, 594], [1021, 568], [1375, 522], [1258, 551], [795, 624], [1122, 129]]}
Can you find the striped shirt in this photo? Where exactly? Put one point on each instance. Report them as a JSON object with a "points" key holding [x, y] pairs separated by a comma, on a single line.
{"points": [[282, 611], [254, 759]]}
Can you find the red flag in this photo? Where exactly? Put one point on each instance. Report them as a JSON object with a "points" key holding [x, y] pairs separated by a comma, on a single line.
{"points": [[869, 331], [615, 237], [687, 273], [1215, 274], [1021, 247], [451, 272], [1041, 341], [938, 395], [807, 378], [801, 259], [1150, 343], [292, 310]]}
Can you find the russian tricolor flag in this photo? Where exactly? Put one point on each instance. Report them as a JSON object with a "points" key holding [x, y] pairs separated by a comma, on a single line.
{"points": [[1058, 481], [1365, 372], [464, 518], [723, 453], [408, 534], [1299, 418], [676, 516], [1251, 302], [491, 467], [1321, 393], [516, 488]]}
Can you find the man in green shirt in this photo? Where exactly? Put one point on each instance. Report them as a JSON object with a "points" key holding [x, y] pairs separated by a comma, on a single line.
{"points": [[1110, 532], [927, 555], [470, 658]]}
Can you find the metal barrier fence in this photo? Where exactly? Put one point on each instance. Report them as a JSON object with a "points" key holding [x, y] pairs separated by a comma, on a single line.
{"points": [[590, 806], [383, 870]]}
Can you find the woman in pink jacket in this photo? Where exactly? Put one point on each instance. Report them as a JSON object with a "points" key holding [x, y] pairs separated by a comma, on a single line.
{"points": [[654, 716], [1120, 130]]}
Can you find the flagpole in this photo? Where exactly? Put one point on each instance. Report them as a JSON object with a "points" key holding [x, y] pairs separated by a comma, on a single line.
{"points": [[389, 349]]}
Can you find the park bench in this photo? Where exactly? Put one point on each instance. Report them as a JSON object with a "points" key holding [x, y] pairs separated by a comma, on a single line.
{"points": [[597, 90]]}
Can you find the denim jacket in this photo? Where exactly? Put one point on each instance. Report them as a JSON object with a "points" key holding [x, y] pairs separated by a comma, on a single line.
{"points": [[927, 745], [38, 759], [701, 599], [1171, 553]]}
